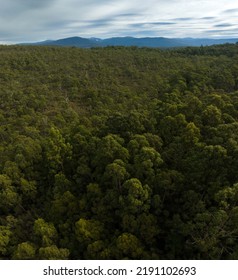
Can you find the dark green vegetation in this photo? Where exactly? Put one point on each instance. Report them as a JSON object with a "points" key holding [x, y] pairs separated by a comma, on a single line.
{"points": [[118, 153]]}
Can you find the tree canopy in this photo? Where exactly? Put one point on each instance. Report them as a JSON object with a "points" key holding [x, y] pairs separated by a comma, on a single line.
{"points": [[118, 153]]}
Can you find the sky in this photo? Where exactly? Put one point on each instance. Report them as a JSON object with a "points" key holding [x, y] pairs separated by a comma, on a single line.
{"points": [[38, 20]]}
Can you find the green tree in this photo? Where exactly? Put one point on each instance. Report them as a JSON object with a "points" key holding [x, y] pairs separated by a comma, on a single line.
{"points": [[5, 238], [147, 164], [8, 195], [45, 233], [211, 116], [25, 251], [135, 198], [88, 231], [57, 150], [116, 171], [110, 148], [129, 247], [53, 253]]}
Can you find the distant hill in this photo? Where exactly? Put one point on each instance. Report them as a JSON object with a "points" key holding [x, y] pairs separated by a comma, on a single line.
{"points": [[143, 42], [72, 41], [153, 42]]}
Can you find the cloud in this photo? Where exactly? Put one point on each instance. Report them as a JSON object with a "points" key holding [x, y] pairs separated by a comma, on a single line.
{"points": [[13, 8], [98, 23], [223, 33], [35, 20], [127, 15], [231, 11], [184, 19], [162, 23], [144, 24], [208, 18], [32, 4], [224, 25]]}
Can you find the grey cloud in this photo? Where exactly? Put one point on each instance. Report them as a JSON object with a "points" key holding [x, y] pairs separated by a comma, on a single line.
{"points": [[58, 24], [146, 24], [184, 19], [35, 4], [25, 20], [18, 6], [230, 11], [145, 33], [224, 25], [127, 15], [101, 22], [98, 23], [215, 31], [137, 25], [208, 18], [162, 23], [232, 31]]}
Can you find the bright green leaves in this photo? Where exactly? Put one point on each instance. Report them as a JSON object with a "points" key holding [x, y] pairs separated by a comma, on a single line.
{"points": [[46, 237], [88, 231], [28, 188], [129, 247], [89, 234], [191, 134], [53, 253], [109, 148], [5, 237], [25, 251], [12, 170], [45, 232], [135, 198], [147, 164], [116, 171], [61, 184], [92, 243], [227, 198], [8, 195], [211, 116]]}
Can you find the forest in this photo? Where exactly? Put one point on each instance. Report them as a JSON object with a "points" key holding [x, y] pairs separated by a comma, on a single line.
{"points": [[118, 153]]}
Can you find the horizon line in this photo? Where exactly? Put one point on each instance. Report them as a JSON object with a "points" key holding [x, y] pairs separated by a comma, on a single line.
{"points": [[131, 36]]}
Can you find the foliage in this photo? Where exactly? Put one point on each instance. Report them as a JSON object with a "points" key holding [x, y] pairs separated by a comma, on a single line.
{"points": [[118, 153]]}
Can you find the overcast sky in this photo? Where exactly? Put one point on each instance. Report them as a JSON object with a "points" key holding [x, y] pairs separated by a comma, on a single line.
{"points": [[37, 20]]}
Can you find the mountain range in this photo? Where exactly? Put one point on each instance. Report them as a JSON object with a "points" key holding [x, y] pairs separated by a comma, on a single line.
{"points": [[153, 42]]}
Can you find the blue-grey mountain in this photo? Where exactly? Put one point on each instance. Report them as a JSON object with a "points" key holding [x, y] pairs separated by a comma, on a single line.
{"points": [[153, 42]]}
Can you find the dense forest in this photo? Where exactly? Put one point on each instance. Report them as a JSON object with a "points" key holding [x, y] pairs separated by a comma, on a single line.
{"points": [[118, 153]]}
